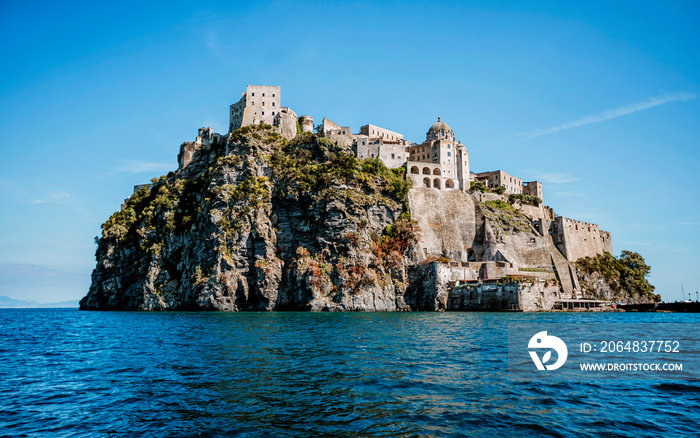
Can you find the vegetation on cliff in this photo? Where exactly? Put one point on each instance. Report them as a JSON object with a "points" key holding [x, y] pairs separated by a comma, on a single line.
{"points": [[625, 275]]}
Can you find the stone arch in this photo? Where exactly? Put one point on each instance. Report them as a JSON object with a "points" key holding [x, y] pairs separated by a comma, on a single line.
{"points": [[436, 183], [426, 182], [426, 171], [449, 184], [436, 171], [471, 255], [414, 169]]}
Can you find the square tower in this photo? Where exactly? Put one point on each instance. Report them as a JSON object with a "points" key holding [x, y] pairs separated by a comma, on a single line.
{"points": [[258, 104]]}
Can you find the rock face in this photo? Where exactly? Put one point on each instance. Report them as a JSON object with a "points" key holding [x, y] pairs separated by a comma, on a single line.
{"points": [[259, 222]]}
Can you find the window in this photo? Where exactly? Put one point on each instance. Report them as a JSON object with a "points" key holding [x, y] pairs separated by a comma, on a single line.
{"points": [[363, 143], [273, 113], [252, 103], [263, 94], [273, 103], [273, 94], [392, 156], [263, 113], [252, 94], [448, 153], [448, 146], [372, 155], [263, 104]]}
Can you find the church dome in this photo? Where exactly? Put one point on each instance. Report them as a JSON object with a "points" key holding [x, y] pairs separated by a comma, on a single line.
{"points": [[440, 131], [440, 126]]}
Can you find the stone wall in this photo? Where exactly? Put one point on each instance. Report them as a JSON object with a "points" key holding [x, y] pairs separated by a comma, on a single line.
{"points": [[286, 122], [576, 239], [373, 131], [307, 123], [527, 296], [447, 222], [340, 135]]}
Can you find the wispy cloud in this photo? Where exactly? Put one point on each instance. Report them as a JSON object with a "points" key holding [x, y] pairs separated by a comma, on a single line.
{"points": [[551, 177], [613, 113], [215, 46], [568, 194], [135, 166], [57, 197]]}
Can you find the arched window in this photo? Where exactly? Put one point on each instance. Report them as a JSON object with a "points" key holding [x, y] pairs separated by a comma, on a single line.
{"points": [[436, 183], [436, 171], [449, 184], [426, 182], [449, 154], [414, 169], [426, 171]]}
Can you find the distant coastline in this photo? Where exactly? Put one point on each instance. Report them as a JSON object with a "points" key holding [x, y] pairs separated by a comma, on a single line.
{"points": [[11, 303]]}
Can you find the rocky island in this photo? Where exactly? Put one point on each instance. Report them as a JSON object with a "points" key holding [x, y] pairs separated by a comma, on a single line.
{"points": [[277, 215]]}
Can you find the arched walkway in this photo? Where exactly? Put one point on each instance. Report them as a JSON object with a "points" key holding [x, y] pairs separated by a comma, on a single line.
{"points": [[426, 171], [426, 182], [414, 170], [436, 171], [436, 183], [449, 184]]}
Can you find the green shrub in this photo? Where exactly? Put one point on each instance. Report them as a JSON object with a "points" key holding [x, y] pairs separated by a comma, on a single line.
{"points": [[628, 272]]}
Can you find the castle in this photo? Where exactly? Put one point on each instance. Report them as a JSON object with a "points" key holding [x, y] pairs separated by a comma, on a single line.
{"points": [[487, 238]]}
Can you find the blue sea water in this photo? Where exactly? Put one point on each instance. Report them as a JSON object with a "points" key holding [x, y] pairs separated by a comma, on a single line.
{"points": [[70, 373]]}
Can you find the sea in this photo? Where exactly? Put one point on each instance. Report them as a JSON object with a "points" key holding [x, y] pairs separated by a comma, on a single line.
{"points": [[70, 373]]}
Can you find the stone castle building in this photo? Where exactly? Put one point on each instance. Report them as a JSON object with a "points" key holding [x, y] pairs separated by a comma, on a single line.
{"points": [[440, 162]]}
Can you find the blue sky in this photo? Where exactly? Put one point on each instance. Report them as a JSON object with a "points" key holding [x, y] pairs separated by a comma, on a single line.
{"points": [[598, 100]]}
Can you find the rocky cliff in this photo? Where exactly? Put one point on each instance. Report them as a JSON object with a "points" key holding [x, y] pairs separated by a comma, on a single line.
{"points": [[261, 223]]}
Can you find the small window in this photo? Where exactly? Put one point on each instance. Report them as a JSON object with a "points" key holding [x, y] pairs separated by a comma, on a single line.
{"points": [[449, 153], [263, 94], [273, 103], [392, 156], [263, 113], [273, 113], [252, 94], [363, 143], [263, 104], [252, 103], [273, 94]]}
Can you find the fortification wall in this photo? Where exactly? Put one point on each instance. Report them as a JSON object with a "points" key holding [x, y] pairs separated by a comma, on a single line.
{"points": [[528, 296], [576, 239]]}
